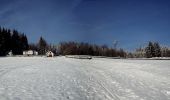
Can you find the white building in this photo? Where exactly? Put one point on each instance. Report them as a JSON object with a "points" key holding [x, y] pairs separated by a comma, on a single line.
{"points": [[50, 54], [30, 53]]}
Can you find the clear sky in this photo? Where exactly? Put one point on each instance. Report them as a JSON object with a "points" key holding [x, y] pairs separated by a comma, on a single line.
{"points": [[130, 22]]}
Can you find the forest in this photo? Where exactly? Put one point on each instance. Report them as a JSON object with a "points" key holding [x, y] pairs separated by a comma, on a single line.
{"points": [[12, 40], [17, 42]]}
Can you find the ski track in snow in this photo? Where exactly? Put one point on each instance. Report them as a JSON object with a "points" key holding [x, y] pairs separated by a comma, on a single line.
{"points": [[60, 78]]}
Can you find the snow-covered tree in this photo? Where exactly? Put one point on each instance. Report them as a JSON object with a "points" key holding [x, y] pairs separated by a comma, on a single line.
{"points": [[157, 49], [42, 46]]}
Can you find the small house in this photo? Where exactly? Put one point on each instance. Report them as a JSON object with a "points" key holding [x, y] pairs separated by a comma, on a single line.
{"points": [[50, 54], [30, 53], [35, 53]]}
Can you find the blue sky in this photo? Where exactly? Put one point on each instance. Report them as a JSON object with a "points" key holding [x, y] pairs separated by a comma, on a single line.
{"points": [[130, 22]]}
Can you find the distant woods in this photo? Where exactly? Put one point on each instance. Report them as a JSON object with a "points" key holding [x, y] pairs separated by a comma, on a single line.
{"points": [[12, 40], [16, 42], [75, 48], [152, 49]]}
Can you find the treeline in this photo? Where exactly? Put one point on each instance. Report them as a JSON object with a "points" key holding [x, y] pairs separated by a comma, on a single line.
{"points": [[42, 47], [153, 49], [12, 40], [75, 48], [16, 42]]}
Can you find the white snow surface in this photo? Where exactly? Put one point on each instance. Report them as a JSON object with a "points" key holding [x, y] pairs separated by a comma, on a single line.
{"points": [[60, 78]]}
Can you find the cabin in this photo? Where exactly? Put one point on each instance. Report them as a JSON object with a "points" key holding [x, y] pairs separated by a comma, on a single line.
{"points": [[30, 53], [50, 54]]}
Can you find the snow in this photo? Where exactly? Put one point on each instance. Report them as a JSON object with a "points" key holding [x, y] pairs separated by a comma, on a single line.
{"points": [[60, 78]]}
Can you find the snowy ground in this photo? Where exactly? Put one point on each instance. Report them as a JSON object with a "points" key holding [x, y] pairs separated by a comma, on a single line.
{"points": [[60, 78]]}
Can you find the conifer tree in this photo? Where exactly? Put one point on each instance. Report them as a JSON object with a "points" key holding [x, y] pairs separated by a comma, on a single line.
{"points": [[42, 46], [150, 52], [157, 49]]}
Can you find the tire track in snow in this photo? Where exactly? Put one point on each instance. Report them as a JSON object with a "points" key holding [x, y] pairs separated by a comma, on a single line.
{"points": [[63, 79], [139, 83], [95, 79], [106, 76]]}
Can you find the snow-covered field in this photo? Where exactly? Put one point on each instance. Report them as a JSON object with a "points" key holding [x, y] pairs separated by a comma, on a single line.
{"points": [[60, 78]]}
